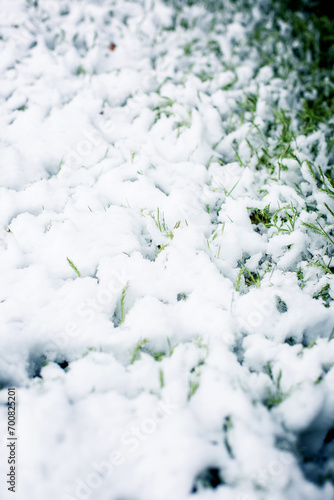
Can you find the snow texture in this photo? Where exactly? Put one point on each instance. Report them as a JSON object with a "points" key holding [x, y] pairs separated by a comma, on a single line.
{"points": [[149, 362]]}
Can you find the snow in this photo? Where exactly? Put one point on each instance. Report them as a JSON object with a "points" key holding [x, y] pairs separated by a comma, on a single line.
{"points": [[141, 355]]}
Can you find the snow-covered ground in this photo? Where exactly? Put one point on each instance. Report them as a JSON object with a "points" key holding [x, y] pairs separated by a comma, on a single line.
{"points": [[166, 316]]}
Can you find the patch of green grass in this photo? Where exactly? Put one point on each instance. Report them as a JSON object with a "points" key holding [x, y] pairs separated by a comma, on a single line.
{"points": [[24, 107], [248, 106], [324, 181], [319, 263], [324, 295], [181, 296], [319, 229], [285, 218], [143, 346], [247, 277], [265, 159], [164, 108], [286, 135], [157, 355], [80, 70], [315, 111], [300, 278], [214, 47], [275, 396], [189, 47], [260, 216], [160, 222], [184, 23], [204, 76]]}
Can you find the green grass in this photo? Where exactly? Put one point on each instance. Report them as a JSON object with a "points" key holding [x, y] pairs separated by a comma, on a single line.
{"points": [[324, 295], [75, 269], [247, 277], [320, 264], [193, 386], [164, 107], [143, 346], [319, 229], [80, 70], [161, 378], [160, 222], [275, 396], [135, 354], [123, 313], [302, 56], [258, 216], [285, 218], [248, 106], [324, 181]]}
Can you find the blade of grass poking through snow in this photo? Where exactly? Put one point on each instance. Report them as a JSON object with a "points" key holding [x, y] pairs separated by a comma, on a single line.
{"points": [[250, 278], [161, 378], [322, 265], [170, 347], [193, 386], [123, 314], [135, 354], [329, 210], [75, 269], [318, 230]]}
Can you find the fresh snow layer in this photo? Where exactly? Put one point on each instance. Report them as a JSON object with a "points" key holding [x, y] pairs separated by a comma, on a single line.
{"points": [[143, 370]]}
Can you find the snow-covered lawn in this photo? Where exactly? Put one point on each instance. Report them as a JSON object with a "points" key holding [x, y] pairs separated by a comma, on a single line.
{"points": [[166, 235]]}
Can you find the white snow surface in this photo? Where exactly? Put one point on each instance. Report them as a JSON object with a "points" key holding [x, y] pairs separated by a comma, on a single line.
{"points": [[122, 162]]}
